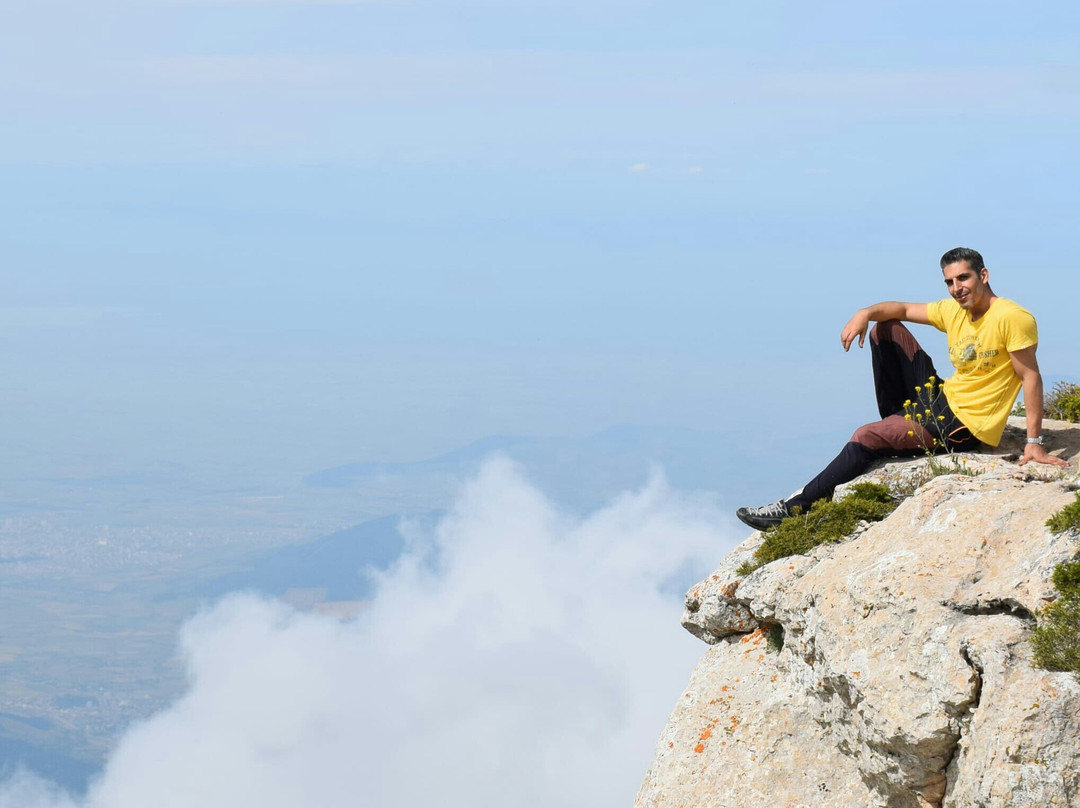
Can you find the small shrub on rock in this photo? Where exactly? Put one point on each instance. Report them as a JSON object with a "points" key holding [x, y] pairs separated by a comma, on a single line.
{"points": [[1066, 578], [826, 521], [1056, 640], [1068, 518], [1063, 402]]}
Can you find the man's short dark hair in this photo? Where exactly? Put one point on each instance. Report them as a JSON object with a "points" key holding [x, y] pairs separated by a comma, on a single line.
{"points": [[974, 259]]}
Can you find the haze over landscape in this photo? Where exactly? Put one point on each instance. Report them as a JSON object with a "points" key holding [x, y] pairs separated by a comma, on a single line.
{"points": [[450, 335]]}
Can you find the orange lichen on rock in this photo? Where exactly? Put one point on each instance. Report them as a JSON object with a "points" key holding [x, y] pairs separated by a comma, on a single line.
{"points": [[699, 748], [706, 734], [755, 636]]}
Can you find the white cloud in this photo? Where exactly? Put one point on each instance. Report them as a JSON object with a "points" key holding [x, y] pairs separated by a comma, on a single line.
{"points": [[24, 790], [520, 656], [638, 168]]}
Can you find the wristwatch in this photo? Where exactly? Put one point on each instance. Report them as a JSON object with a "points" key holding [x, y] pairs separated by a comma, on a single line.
{"points": [[1038, 440]]}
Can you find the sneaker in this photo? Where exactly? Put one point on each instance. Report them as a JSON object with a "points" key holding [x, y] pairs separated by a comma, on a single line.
{"points": [[764, 517]]}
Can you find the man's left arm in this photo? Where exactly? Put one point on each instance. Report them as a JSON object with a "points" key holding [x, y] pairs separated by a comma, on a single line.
{"points": [[1027, 368]]}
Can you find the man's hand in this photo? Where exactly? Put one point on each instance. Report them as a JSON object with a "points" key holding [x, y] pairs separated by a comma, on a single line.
{"points": [[856, 327], [1037, 453], [886, 310]]}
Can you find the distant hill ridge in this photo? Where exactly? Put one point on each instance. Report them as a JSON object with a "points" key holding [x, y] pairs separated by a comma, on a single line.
{"points": [[337, 564], [585, 472], [340, 476]]}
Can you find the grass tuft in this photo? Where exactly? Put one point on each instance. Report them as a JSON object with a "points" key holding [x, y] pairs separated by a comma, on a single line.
{"points": [[826, 522], [934, 467]]}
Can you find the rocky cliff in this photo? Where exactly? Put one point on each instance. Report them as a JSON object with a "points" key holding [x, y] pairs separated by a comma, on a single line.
{"points": [[890, 669]]}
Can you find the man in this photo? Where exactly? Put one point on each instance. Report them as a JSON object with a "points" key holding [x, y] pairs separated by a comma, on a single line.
{"points": [[992, 344]]}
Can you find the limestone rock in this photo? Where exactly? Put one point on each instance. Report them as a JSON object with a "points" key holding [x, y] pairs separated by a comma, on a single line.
{"points": [[902, 674], [712, 609]]}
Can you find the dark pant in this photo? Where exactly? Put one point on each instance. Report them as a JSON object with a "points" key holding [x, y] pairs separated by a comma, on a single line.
{"points": [[902, 376]]}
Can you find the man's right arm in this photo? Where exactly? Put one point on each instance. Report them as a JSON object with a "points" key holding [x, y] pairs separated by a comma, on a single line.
{"points": [[886, 310]]}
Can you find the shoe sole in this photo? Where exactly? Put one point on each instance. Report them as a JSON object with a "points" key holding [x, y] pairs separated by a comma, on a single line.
{"points": [[756, 522]]}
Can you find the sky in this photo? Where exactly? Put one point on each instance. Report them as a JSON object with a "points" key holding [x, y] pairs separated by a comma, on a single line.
{"points": [[257, 239], [327, 232]]}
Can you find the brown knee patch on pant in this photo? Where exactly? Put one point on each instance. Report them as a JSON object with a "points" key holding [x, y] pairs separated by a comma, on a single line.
{"points": [[896, 332], [892, 433]]}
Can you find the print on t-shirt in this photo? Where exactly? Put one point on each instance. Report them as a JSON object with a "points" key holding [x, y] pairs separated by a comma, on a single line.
{"points": [[967, 356]]}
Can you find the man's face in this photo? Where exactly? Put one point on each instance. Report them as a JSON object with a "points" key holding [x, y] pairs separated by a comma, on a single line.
{"points": [[967, 287]]}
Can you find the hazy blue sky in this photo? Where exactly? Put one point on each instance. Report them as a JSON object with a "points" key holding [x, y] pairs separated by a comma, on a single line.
{"points": [[311, 233], [244, 241]]}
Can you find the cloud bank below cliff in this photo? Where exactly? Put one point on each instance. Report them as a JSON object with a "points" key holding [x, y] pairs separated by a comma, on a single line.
{"points": [[516, 654]]}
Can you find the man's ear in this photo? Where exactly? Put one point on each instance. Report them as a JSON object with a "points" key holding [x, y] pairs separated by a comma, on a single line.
{"points": [[984, 275]]}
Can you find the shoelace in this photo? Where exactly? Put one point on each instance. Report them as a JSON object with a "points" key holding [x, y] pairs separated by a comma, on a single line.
{"points": [[775, 509]]}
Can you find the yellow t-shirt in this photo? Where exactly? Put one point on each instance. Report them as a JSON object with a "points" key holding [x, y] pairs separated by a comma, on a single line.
{"points": [[982, 391]]}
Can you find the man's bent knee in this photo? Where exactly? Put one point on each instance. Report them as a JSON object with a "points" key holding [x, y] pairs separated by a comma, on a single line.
{"points": [[894, 433], [888, 330]]}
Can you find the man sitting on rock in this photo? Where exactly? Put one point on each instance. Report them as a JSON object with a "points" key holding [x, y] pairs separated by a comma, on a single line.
{"points": [[992, 344]]}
